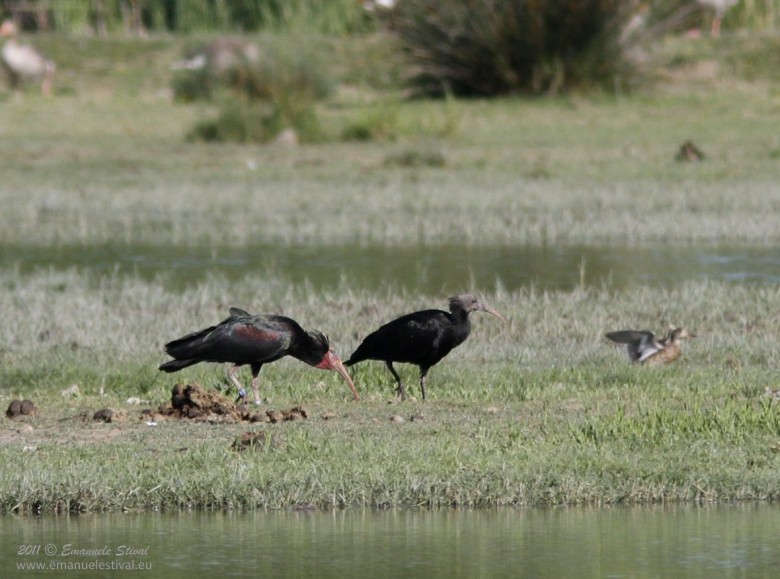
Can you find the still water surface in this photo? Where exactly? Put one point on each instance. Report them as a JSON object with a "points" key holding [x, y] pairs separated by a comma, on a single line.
{"points": [[427, 270], [709, 541]]}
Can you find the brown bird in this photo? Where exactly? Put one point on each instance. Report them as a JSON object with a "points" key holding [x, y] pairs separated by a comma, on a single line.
{"points": [[421, 338], [23, 62], [244, 339], [644, 348], [719, 8]]}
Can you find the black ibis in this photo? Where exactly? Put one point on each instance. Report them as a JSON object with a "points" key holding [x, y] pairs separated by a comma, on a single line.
{"points": [[24, 62], [421, 338], [644, 348], [254, 340]]}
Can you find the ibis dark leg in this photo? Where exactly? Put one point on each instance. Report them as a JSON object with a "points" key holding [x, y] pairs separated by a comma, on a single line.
{"points": [[400, 390], [423, 373]]}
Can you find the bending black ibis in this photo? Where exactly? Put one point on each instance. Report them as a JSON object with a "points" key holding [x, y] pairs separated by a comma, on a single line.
{"points": [[421, 338], [244, 339], [644, 348]]}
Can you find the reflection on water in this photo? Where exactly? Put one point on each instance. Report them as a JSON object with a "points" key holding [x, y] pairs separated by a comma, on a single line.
{"points": [[682, 541], [426, 269]]}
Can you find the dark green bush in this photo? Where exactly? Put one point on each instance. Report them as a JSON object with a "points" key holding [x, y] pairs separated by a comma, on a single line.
{"points": [[270, 68], [256, 122], [270, 86], [290, 67], [416, 158], [193, 85], [376, 124], [490, 47], [239, 122]]}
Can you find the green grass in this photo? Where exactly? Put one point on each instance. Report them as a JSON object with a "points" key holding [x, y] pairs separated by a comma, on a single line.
{"points": [[595, 172], [107, 161], [539, 411]]}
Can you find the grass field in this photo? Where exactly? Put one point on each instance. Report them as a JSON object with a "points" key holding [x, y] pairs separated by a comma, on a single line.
{"points": [[539, 411], [542, 410], [107, 160]]}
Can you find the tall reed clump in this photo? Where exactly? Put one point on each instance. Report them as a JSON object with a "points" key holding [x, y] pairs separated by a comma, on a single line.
{"points": [[493, 47], [325, 16], [490, 47], [754, 15], [336, 17]]}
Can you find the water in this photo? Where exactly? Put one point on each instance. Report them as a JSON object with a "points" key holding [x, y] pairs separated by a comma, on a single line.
{"points": [[682, 541], [425, 269]]}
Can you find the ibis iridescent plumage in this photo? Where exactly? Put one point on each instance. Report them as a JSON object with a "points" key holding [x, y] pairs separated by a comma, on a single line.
{"points": [[254, 340]]}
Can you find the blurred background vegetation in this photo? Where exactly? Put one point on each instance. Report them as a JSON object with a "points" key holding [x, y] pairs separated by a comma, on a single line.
{"points": [[267, 63], [190, 16], [353, 16]]}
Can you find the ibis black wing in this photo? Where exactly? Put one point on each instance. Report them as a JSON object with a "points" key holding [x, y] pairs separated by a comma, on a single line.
{"points": [[413, 338], [239, 339]]}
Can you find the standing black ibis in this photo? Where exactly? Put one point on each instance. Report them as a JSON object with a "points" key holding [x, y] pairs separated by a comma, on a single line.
{"points": [[421, 338], [644, 348], [245, 339]]}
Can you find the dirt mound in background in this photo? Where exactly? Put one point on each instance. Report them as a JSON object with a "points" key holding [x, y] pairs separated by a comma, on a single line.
{"points": [[109, 415]]}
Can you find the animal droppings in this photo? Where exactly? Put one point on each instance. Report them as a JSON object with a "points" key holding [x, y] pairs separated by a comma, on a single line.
{"points": [[104, 415], [191, 401], [19, 408]]}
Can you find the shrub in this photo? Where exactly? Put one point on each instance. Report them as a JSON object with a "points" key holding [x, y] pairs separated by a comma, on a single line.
{"points": [[239, 123], [256, 122], [193, 85], [271, 69], [376, 124], [489, 47], [291, 67], [271, 87], [386, 122], [416, 158]]}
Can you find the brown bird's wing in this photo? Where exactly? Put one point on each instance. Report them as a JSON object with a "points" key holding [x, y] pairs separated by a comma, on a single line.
{"points": [[641, 344]]}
